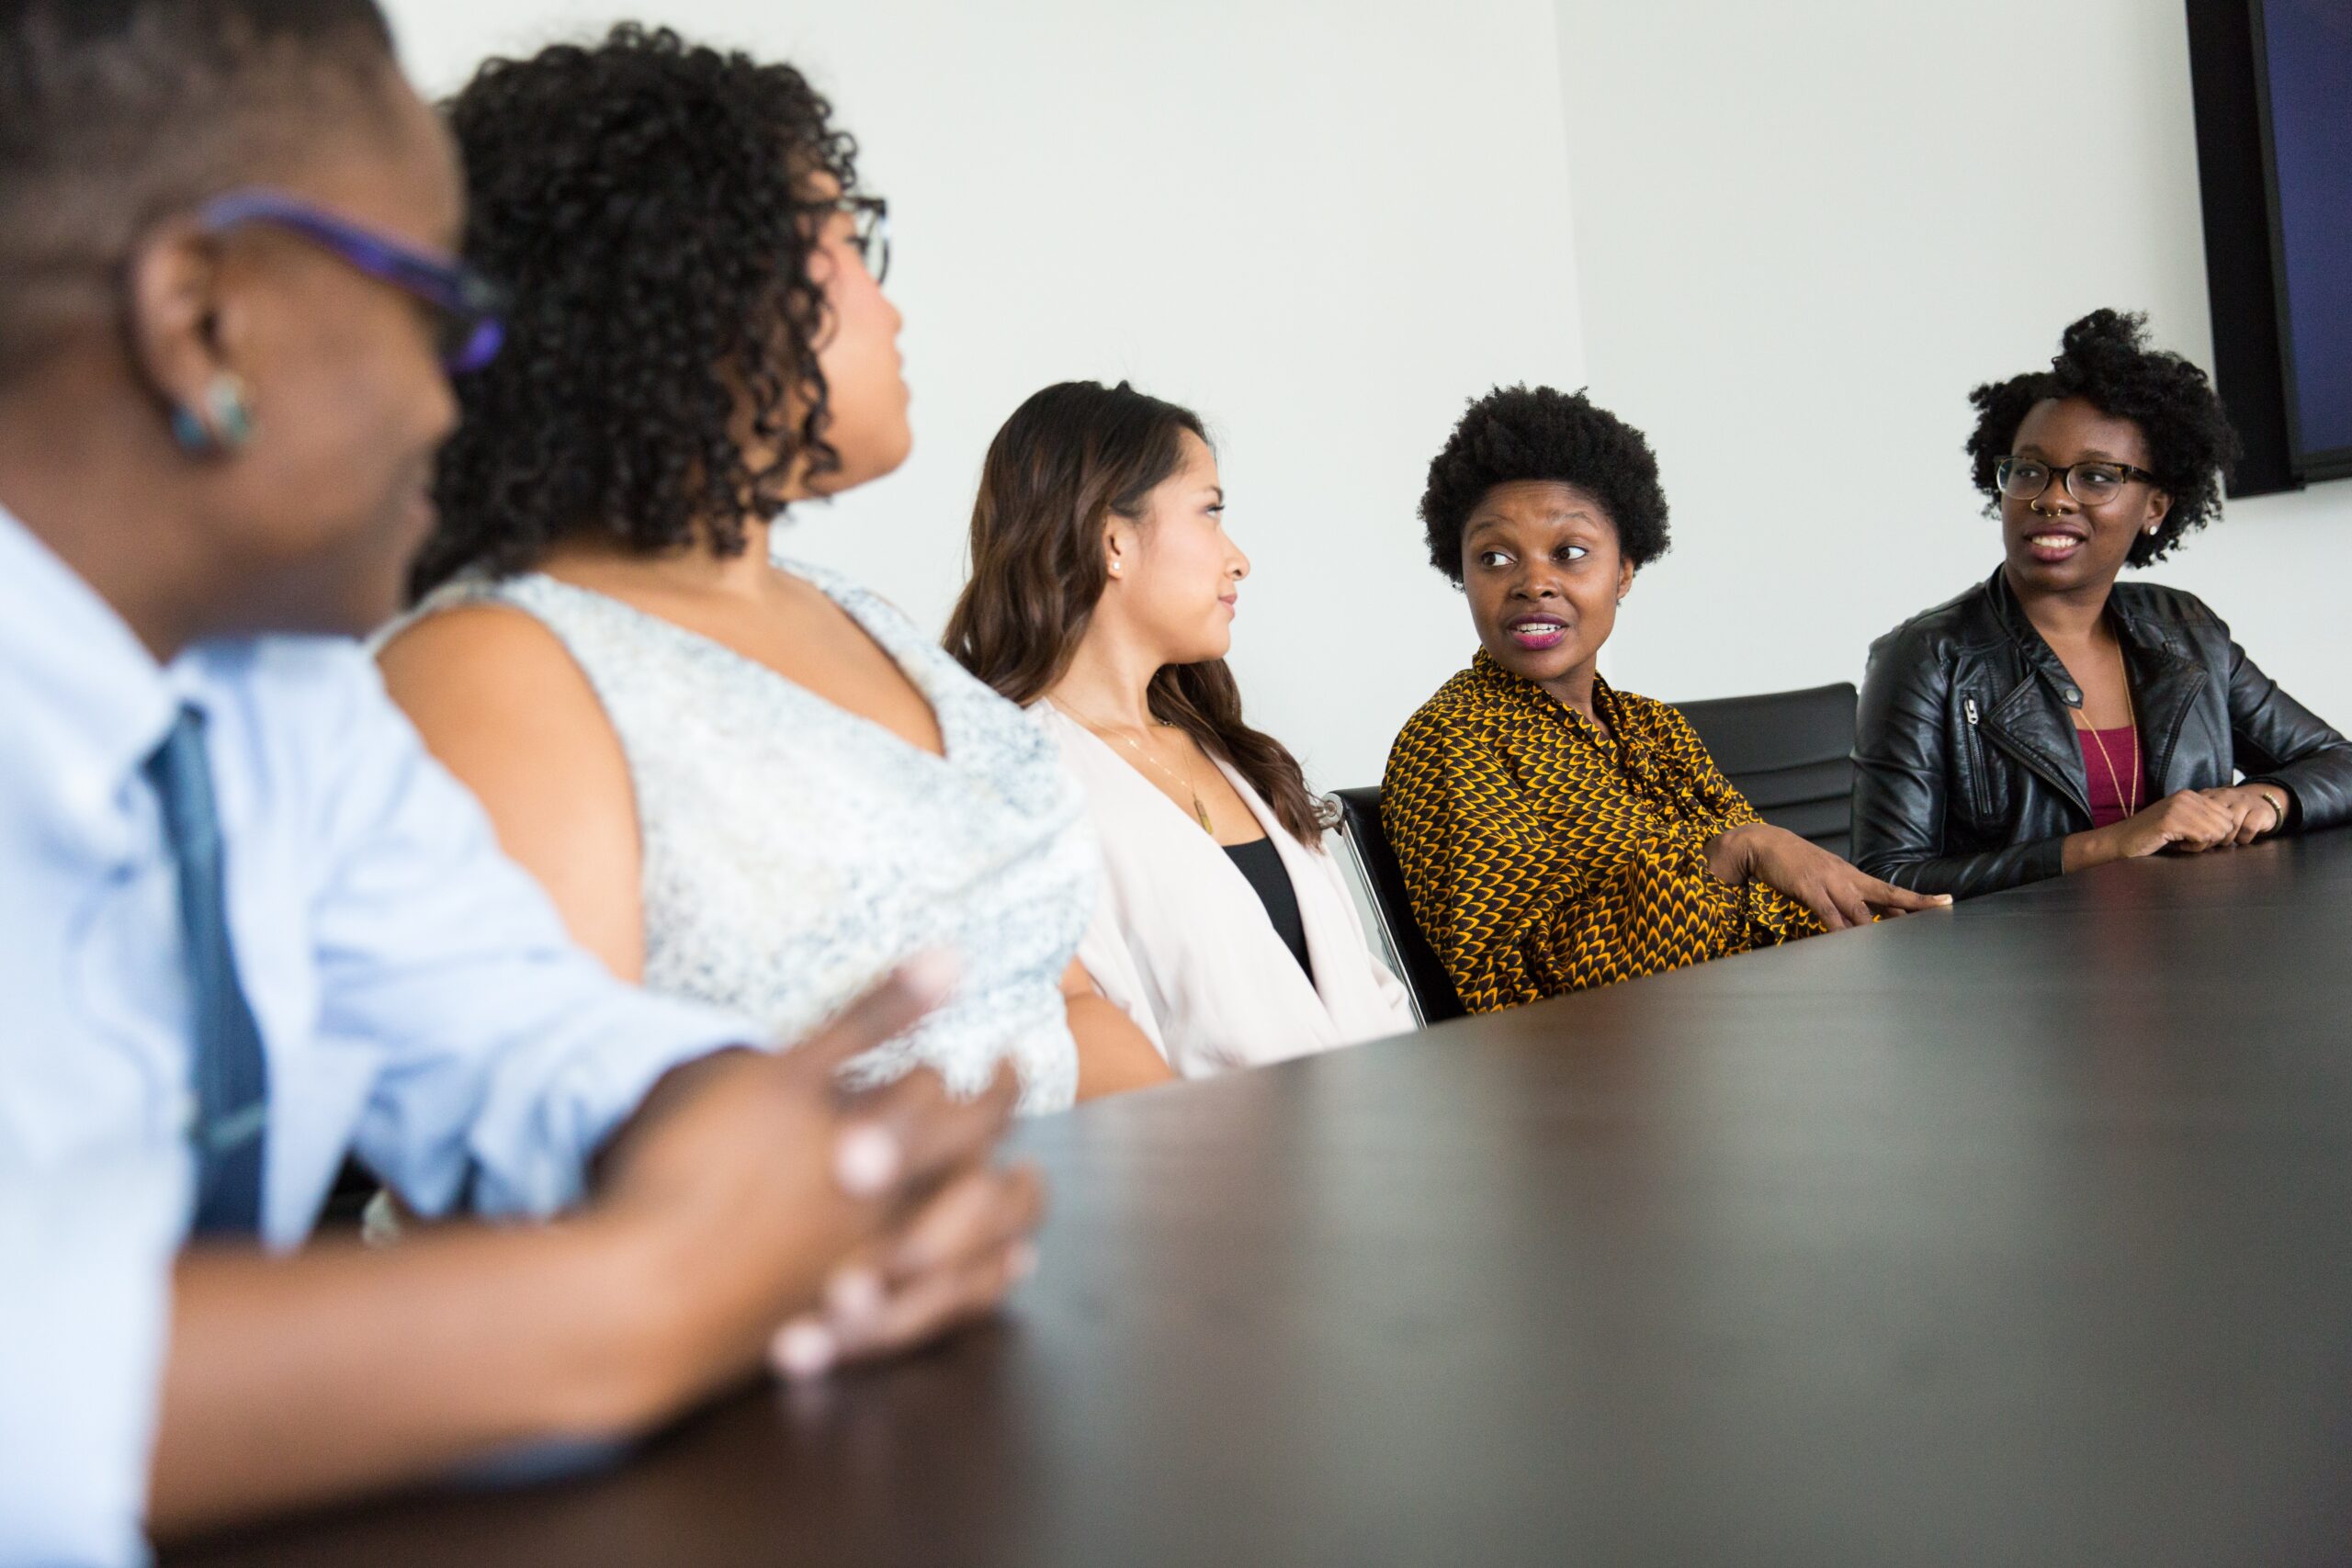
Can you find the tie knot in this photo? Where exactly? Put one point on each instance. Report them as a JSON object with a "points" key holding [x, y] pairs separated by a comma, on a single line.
{"points": [[181, 771]]}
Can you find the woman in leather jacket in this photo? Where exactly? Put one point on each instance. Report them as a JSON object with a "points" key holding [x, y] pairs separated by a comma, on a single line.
{"points": [[2050, 718]]}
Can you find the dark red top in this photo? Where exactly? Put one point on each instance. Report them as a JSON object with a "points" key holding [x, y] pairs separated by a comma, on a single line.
{"points": [[2108, 804]]}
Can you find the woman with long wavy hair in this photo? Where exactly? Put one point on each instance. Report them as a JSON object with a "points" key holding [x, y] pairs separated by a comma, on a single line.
{"points": [[1103, 596]]}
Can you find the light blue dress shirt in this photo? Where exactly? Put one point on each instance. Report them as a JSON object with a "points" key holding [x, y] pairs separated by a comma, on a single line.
{"points": [[418, 1001]]}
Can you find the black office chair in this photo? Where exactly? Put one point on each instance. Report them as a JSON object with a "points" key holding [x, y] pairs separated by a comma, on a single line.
{"points": [[1792, 753], [1424, 976]]}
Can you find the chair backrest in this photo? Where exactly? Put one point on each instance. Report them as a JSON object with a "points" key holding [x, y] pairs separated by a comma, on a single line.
{"points": [[1792, 753], [1424, 976]]}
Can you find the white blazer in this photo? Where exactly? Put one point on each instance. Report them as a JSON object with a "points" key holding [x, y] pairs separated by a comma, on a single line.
{"points": [[1182, 943]]}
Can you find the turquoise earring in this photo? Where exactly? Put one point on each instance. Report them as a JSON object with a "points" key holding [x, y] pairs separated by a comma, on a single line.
{"points": [[225, 426]]}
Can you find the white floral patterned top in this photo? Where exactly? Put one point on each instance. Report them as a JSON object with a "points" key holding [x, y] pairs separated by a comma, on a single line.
{"points": [[794, 852]]}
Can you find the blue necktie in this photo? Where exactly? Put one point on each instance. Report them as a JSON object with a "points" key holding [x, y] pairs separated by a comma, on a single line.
{"points": [[231, 1077]]}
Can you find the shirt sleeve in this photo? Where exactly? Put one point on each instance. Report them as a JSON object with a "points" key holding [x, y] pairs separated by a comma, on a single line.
{"points": [[1718, 798], [1772, 916], [85, 1250], [1513, 910], [510, 1054], [2276, 740]]}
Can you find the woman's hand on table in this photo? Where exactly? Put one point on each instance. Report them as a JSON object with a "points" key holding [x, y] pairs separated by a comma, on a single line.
{"points": [[2188, 821], [1836, 893]]}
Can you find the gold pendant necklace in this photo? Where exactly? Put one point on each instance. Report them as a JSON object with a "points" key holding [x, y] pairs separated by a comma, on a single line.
{"points": [[1200, 812], [2130, 707]]}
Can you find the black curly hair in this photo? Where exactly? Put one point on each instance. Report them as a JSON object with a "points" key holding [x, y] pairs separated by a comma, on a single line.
{"points": [[651, 205], [2104, 360], [1523, 433]]}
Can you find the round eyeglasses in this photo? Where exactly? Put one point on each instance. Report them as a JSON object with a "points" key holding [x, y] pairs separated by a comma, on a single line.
{"points": [[869, 231], [2093, 484]]}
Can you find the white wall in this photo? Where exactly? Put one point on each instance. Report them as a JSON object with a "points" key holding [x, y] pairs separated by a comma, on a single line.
{"points": [[1322, 224], [1799, 246]]}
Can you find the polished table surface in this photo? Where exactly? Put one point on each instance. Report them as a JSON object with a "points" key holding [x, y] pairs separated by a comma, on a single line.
{"points": [[2020, 1234]]}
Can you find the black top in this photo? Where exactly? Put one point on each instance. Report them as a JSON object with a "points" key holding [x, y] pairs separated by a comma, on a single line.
{"points": [[1967, 775], [1263, 864], [2008, 1234]]}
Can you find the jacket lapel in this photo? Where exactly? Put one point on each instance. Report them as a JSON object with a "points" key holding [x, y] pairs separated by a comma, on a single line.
{"points": [[2019, 725], [2165, 686], [2030, 722]]}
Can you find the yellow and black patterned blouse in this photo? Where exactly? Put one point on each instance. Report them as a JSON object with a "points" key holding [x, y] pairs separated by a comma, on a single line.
{"points": [[1544, 858]]}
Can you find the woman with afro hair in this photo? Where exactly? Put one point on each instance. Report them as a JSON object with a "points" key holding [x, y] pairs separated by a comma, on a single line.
{"points": [[743, 780], [1557, 833], [2052, 718]]}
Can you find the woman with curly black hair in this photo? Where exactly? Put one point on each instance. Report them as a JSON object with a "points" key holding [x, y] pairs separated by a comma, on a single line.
{"points": [[1557, 833], [2052, 718], [743, 780]]}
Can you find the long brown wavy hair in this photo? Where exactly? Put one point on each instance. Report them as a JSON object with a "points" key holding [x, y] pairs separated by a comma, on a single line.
{"points": [[1071, 457]]}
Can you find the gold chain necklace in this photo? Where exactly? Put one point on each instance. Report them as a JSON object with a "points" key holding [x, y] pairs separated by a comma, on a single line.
{"points": [[1200, 812], [2084, 718]]}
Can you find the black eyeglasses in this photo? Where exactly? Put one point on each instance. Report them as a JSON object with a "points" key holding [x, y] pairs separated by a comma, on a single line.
{"points": [[465, 305], [869, 231], [2024, 479]]}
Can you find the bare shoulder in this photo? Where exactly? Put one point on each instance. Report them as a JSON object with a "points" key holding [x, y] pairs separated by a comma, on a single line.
{"points": [[477, 663], [501, 701]]}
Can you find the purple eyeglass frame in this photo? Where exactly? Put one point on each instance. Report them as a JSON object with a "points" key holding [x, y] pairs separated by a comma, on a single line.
{"points": [[470, 306]]}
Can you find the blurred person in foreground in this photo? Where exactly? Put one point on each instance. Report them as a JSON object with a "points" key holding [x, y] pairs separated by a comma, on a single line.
{"points": [[252, 926]]}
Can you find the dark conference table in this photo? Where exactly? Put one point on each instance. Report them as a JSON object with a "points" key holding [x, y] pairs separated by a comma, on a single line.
{"points": [[2019, 1234]]}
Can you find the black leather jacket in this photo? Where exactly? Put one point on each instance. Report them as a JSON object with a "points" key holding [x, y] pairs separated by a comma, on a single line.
{"points": [[1967, 774]]}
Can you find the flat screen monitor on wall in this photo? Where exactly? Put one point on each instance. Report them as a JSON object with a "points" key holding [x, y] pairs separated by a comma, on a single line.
{"points": [[2273, 88], [2304, 68]]}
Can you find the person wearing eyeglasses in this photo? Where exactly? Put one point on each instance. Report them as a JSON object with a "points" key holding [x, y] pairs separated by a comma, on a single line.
{"points": [[2052, 718], [252, 927], [741, 778]]}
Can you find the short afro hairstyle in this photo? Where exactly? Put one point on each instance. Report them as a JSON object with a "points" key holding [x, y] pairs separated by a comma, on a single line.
{"points": [[651, 205], [2104, 360], [1523, 433]]}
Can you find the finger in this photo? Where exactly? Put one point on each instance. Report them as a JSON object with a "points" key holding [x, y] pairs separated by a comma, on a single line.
{"points": [[936, 1304], [2194, 824], [910, 1133], [976, 1217], [881, 1015], [979, 1216], [1888, 898], [2214, 825], [815, 1343], [1851, 905], [1824, 910], [2207, 811]]}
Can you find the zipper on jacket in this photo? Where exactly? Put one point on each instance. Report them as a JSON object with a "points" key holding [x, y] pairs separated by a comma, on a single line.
{"points": [[1977, 783]]}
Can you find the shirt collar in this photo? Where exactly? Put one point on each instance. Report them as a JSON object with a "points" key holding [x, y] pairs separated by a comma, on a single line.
{"points": [[1489, 669], [86, 697]]}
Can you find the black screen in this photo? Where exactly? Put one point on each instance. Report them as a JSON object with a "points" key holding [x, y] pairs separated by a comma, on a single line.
{"points": [[2307, 65]]}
